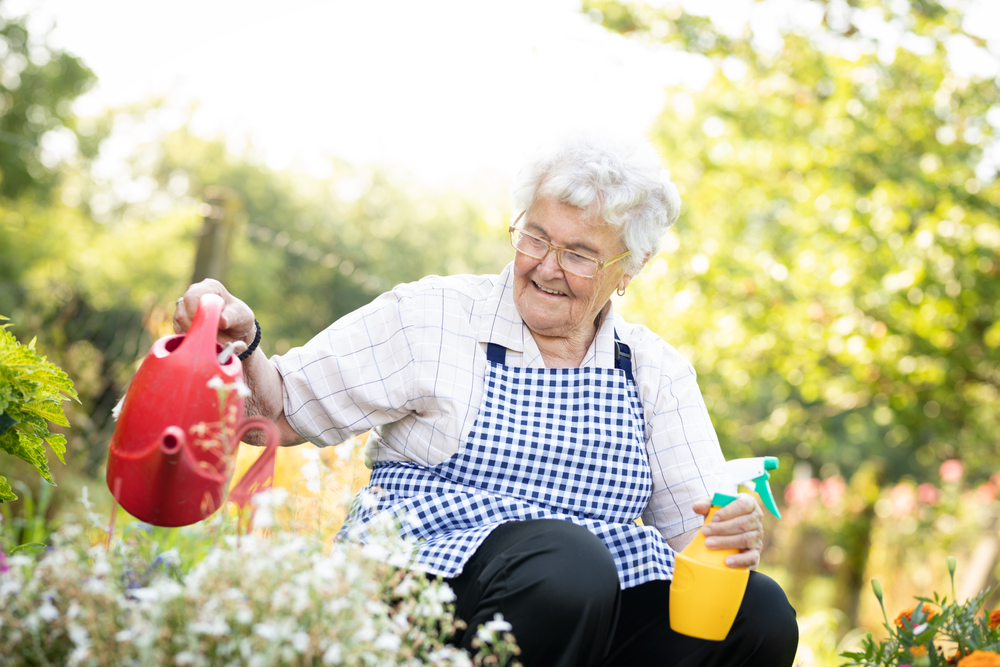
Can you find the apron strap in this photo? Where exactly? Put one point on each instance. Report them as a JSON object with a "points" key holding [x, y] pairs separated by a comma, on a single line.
{"points": [[497, 354], [623, 358]]}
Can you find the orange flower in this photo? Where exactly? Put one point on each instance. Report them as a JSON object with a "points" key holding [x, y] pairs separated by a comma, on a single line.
{"points": [[917, 651], [994, 619], [980, 659], [908, 613]]}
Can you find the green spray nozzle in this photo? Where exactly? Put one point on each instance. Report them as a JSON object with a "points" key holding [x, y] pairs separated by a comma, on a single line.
{"points": [[743, 472]]}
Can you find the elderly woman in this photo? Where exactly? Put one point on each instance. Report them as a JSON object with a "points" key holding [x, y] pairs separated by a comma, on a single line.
{"points": [[520, 427]]}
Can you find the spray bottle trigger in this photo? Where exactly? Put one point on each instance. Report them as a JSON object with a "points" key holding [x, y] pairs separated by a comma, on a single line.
{"points": [[763, 490]]}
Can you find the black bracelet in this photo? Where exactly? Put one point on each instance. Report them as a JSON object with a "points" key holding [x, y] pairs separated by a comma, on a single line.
{"points": [[253, 346]]}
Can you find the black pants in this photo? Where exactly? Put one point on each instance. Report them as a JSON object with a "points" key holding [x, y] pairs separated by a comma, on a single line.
{"points": [[556, 584]]}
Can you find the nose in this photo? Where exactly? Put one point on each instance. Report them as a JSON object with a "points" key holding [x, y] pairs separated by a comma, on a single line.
{"points": [[549, 265]]}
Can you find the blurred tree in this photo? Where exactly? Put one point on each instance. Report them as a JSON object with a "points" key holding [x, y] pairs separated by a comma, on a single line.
{"points": [[98, 279], [37, 126], [310, 249], [836, 237], [834, 274]]}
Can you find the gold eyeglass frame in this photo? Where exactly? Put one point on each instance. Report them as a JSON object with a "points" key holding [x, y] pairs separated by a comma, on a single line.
{"points": [[558, 250]]}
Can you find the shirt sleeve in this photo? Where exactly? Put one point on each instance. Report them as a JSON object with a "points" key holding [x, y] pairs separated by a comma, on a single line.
{"points": [[355, 375], [681, 443]]}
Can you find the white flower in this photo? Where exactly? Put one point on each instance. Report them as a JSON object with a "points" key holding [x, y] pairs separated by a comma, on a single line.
{"points": [[301, 641], [266, 630], [405, 587], [170, 557], [241, 388], [79, 654], [271, 497], [399, 558], [126, 635], [216, 627], [79, 635], [369, 500], [376, 552], [101, 568], [498, 624], [367, 631], [71, 530], [185, 658], [48, 612], [333, 654], [918, 629], [345, 450], [387, 642], [485, 635], [145, 594], [216, 383], [337, 605]]}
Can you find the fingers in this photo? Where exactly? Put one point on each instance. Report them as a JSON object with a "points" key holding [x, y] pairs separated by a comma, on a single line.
{"points": [[749, 559], [236, 323], [739, 525]]}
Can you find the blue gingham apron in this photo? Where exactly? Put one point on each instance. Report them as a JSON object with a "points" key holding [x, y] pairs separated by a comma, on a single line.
{"points": [[549, 443]]}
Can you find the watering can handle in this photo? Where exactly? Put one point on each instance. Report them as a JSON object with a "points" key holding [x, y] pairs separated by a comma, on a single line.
{"points": [[260, 474], [204, 328]]}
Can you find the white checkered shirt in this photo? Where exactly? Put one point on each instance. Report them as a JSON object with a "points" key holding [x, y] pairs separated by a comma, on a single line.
{"points": [[411, 364]]}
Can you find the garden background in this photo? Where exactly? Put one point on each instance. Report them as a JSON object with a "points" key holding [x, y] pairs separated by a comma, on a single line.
{"points": [[833, 276]]}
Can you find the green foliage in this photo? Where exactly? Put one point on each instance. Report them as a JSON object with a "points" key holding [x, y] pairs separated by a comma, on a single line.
{"points": [[29, 528], [932, 633], [31, 395], [36, 89]]}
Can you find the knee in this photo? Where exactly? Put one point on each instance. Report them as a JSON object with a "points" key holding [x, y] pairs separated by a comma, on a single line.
{"points": [[768, 619], [576, 569]]}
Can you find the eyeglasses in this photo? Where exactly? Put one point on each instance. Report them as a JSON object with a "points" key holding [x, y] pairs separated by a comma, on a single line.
{"points": [[570, 261]]}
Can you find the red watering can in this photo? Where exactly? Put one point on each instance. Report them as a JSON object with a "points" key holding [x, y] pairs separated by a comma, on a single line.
{"points": [[175, 442]]}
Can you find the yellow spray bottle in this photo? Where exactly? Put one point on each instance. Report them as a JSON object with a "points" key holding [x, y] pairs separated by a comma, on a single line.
{"points": [[705, 593]]}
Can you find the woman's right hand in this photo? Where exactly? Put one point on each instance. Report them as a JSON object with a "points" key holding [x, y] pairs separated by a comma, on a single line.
{"points": [[235, 324]]}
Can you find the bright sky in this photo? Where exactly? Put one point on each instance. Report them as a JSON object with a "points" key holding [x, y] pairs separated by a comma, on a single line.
{"points": [[456, 91], [450, 89]]}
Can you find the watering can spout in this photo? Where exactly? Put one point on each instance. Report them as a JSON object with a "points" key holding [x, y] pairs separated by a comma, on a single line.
{"points": [[171, 443]]}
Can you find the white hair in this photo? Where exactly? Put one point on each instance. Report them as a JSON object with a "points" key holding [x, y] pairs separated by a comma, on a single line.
{"points": [[620, 181]]}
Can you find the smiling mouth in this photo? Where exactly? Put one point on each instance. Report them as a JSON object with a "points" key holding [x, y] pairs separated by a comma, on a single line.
{"points": [[547, 290]]}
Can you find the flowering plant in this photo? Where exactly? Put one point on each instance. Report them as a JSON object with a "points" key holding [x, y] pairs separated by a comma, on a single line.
{"points": [[259, 599], [935, 633]]}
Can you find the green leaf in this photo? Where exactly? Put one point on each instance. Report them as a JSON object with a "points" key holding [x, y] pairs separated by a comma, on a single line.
{"points": [[29, 448], [6, 421], [58, 444], [6, 388], [48, 408], [6, 493]]}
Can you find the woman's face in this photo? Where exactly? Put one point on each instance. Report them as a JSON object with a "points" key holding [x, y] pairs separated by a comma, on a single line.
{"points": [[551, 301]]}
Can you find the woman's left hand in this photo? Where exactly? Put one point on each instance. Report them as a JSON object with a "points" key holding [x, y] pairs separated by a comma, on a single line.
{"points": [[738, 525]]}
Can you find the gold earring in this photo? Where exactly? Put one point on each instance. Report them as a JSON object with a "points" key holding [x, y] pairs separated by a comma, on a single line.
{"points": [[621, 291]]}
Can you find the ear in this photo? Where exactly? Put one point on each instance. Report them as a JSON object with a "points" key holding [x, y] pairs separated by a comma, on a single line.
{"points": [[626, 278]]}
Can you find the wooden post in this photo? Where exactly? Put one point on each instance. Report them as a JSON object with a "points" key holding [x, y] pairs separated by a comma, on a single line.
{"points": [[220, 210]]}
